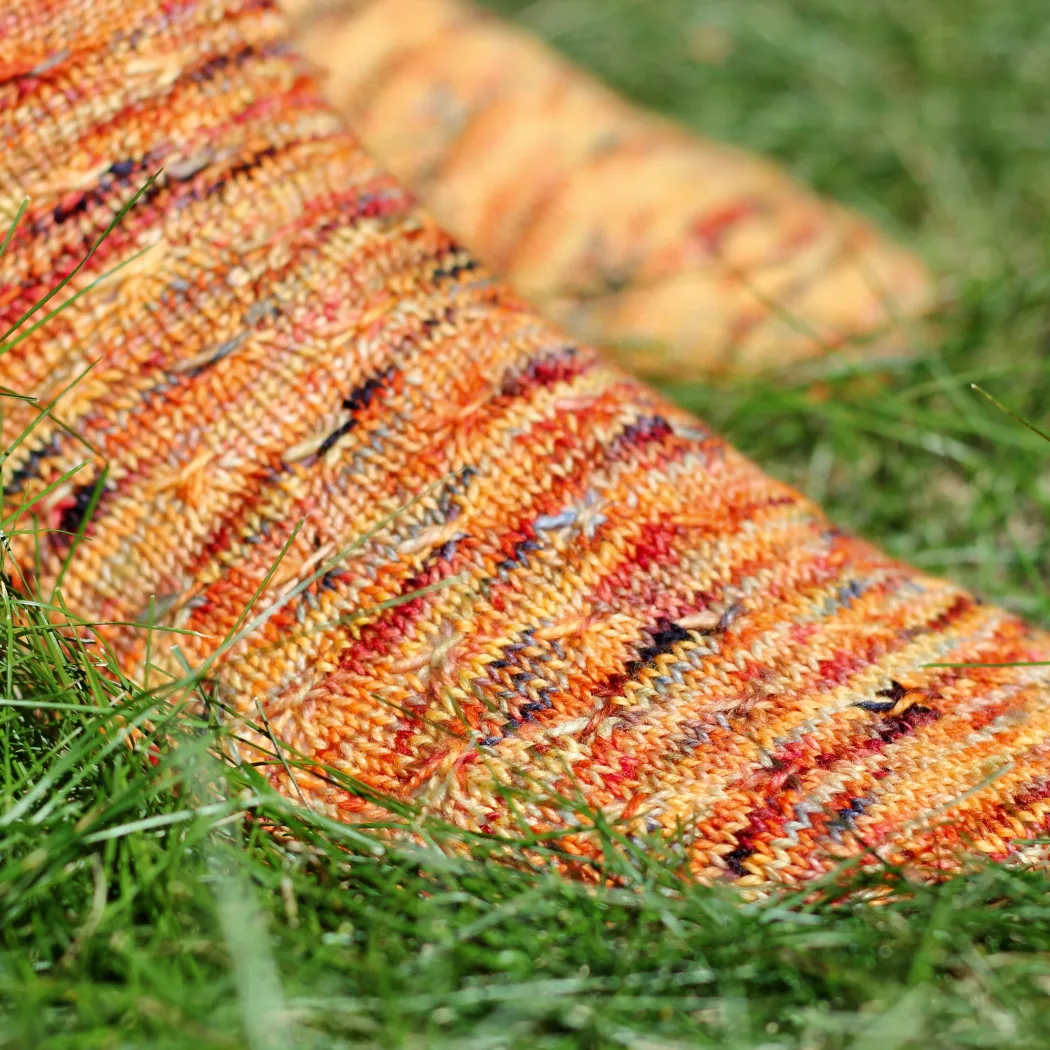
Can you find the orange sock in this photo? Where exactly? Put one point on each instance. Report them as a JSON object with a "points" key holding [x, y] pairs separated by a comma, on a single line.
{"points": [[511, 575]]}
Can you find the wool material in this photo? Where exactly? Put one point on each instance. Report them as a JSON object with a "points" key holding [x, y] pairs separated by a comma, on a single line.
{"points": [[513, 577]]}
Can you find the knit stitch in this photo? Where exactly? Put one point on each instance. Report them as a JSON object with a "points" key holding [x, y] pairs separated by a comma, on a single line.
{"points": [[516, 566], [687, 255]]}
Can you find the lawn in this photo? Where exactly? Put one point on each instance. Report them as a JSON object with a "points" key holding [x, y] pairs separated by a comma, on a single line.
{"points": [[138, 906]]}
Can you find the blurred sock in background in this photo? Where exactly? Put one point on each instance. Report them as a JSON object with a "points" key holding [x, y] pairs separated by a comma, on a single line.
{"points": [[686, 256]]}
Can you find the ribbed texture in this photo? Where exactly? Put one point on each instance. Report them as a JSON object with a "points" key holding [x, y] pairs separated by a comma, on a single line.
{"points": [[630, 611], [686, 254]]}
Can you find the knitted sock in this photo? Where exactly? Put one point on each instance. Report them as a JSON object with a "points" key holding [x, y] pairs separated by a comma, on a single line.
{"points": [[560, 583], [687, 255]]}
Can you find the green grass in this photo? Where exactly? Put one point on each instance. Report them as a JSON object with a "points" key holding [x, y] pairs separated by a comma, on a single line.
{"points": [[141, 909], [138, 908]]}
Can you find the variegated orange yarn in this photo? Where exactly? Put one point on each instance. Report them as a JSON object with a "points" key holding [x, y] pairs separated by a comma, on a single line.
{"points": [[516, 567], [687, 255]]}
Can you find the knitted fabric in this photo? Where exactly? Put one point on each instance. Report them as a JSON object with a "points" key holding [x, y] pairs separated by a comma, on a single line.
{"points": [[516, 566], [686, 254]]}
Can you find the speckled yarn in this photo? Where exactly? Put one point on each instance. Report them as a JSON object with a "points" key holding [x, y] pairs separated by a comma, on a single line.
{"points": [[615, 604], [687, 255]]}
